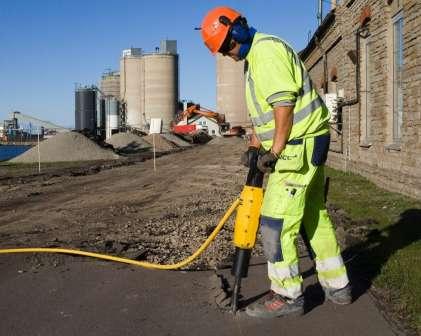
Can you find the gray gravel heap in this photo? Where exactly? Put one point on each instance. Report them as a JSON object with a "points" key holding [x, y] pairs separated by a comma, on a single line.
{"points": [[161, 144], [176, 140], [128, 142], [69, 146]]}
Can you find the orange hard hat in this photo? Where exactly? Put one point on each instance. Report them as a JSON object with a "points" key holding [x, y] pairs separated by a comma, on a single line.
{"points": [[216, 26]]}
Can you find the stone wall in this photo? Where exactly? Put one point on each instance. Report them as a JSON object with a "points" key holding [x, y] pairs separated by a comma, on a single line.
{"points": [[393, 166]]}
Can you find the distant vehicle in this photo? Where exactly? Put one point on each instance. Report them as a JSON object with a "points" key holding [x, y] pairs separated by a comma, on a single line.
{"points": [[181, 125]]}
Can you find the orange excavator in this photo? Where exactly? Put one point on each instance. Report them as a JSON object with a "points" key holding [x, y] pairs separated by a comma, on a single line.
{"points": [[196, 109]]}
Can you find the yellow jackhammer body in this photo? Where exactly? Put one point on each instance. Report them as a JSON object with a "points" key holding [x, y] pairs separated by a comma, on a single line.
{"points": [[246, 226]]}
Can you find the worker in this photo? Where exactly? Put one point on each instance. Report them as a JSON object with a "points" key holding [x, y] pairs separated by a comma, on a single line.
{"points": [[290, 127]]}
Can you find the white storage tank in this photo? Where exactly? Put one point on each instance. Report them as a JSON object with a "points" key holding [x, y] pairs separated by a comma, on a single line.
{"points": [[111, 116], [230, 91], [131, 69], [160, 88]]}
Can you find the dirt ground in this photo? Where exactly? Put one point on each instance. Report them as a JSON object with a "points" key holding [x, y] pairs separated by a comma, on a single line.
{"points": [[159, 216]]}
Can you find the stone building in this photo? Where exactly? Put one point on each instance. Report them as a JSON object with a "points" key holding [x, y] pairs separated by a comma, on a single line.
{"points": [[365, 58]]}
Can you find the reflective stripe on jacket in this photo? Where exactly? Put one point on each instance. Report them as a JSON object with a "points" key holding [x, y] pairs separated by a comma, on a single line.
{"points": [[277, 77]]}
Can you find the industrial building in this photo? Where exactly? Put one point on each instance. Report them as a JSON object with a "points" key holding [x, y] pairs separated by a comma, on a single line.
{"points": [[365, 59], [22, 128], [110, 84], [96, 114], [206, 124], [149, 86], [146, 87], [111, 121], [86, 108], [130, 86], [230, 91]]}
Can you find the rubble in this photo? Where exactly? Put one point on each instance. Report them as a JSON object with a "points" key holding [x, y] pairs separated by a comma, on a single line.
{"points": [[220, 291]]}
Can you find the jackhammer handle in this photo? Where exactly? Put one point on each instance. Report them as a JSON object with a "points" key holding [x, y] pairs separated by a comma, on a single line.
{"points": [[254, 176]]}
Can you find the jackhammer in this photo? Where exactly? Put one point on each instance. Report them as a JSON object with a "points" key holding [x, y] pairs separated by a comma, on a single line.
{"points": [[246, 225]]}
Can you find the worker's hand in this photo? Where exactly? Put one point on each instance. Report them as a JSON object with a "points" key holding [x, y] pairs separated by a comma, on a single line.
{"points": [[248, 156], [266, 162]]}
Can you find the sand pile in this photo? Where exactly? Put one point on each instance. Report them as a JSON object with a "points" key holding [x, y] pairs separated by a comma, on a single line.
{"points": [[161, 144], [69, 146], [128, 142], [176, 140]]}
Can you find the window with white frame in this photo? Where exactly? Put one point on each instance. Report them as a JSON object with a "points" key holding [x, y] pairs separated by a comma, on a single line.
{"points": [[397, 76]]}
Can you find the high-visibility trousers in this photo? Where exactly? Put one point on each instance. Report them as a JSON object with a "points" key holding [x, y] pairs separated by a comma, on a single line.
{"points": [[294, 196]]}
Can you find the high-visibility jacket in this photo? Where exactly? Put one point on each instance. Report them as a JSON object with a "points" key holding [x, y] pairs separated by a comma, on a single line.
{"points": [[277, 77]]}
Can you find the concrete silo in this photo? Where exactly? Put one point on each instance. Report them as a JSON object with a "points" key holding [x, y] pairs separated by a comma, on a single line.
{"points": [[100, 116], [111, 116], [230, 91], [86, 109], [161, 89], [149, 85], [110, 84], [131, 69]]}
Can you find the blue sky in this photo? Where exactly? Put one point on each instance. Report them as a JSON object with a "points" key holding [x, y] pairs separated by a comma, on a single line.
{"points": [[49, 45]]}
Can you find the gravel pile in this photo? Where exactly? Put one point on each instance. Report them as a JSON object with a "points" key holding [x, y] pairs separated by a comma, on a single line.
{"points": [[128, 142], [186, 229], [238, 143], [176, 140], [69, 146], [175, 235], [161, 144]]}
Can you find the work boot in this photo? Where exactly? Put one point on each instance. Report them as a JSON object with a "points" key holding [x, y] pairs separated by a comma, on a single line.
{"points": [[276, 305], [341, 296]]}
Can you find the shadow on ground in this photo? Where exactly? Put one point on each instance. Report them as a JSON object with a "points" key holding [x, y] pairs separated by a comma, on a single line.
{"points": [[366, 258]]}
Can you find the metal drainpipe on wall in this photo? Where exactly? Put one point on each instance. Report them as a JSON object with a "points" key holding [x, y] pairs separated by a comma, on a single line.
{"points": [[355, 100], [349, 135], [324, 55]]}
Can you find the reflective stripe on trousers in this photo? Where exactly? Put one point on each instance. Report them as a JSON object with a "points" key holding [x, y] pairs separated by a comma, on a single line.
{"points": [[329, 264], [331, 272], [339, 282], [286, 280], [297, 197], [291, 292]]}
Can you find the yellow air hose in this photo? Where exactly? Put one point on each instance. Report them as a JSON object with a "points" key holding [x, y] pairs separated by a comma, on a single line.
{"points": [[145, 264]]}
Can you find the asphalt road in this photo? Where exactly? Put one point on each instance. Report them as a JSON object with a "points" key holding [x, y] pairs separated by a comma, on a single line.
{"points": [[83, 296]]}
